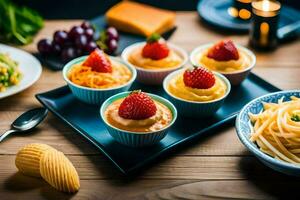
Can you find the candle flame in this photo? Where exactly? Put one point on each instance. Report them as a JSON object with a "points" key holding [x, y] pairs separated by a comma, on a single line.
{"points": [[266, 5]]}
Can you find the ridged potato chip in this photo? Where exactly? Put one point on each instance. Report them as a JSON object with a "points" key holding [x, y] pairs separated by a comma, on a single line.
{"points": [[41, 160], [28, 158], [59, 172]]}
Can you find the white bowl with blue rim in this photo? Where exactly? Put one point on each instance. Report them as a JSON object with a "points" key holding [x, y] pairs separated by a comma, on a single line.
{"points": [[96, 96], [137, 139], [195, 109], [243, 131]]}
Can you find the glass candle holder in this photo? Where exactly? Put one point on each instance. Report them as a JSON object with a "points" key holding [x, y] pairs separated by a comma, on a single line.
{"points": [[241, 9], [263, 31]]}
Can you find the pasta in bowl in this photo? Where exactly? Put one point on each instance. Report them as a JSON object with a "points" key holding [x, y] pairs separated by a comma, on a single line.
{"points": [[93, 80], [269, 127], [85, 76]]}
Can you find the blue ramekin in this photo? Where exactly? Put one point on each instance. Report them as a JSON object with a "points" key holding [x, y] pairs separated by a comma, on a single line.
{"points": [[195, 109], [94, 95], [243, 130], [137, 139]]}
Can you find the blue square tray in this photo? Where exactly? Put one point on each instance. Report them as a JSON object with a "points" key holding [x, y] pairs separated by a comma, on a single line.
{"points": [[85, 119]]}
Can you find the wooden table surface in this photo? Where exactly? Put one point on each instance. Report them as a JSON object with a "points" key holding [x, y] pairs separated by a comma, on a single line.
{"points": [[213, 167]]}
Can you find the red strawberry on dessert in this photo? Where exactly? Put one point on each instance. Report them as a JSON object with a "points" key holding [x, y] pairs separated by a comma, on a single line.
{"points": [[98, 61], [223, 51], [138, 105], [198, 77], [155, 48]]}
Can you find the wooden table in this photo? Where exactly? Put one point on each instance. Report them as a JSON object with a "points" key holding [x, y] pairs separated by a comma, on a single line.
{"points": [[213, 167]]}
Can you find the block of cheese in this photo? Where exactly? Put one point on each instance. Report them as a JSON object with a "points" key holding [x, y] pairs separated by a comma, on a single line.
{"points": [[139, 18]]}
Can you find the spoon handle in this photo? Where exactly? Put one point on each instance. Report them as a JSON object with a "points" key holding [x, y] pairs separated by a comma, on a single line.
{"points": [[6, 134]]}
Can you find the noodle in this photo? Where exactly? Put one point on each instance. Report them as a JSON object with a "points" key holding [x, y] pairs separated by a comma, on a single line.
{"points": [[276, 130], [85, 76]]}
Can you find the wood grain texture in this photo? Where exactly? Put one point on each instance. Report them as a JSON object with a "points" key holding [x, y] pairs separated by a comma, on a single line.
{"points": [[216, 166]]}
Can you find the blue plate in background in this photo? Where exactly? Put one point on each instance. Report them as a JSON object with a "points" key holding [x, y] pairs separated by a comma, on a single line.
{"points": [[243, 131], [215, 13], [85, 119]]}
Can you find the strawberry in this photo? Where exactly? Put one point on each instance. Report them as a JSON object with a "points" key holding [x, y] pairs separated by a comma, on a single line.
{"points": [[98, 61], [198, 77], [223, 51], [155, 48], [138, 105]]}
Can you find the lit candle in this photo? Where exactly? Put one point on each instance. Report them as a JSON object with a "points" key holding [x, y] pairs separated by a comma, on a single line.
{"points": [[263, 32], [241, 9]]}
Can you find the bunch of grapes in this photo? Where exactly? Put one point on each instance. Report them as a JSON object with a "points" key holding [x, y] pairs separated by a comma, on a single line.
{"points": [[77, 42], [108, 40], [68, 45]]}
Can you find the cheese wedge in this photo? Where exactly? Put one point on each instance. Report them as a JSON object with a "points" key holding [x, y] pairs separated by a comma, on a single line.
{"points": [[140, 19]]}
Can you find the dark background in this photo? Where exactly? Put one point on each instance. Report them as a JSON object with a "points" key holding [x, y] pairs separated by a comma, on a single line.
{"points": [[86, 9]]}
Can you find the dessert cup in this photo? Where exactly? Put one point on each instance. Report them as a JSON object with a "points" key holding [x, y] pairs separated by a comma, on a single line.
{"points": [[137, 139], [153, 76], [195, 109], [235, 77], [95, 96]]}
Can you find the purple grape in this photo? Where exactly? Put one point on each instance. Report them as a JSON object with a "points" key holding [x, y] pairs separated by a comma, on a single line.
{"points": [[75, 32], [81, 41], [45, 46], [85, 25], [56, 48], [89, 33], [68, 53], [91, 46], [68, 43], [79, 52], [60, 37], [112, 46], [112, 33]]}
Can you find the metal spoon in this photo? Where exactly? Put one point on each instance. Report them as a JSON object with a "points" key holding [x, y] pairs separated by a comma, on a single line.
{"points": [[26, 122]]}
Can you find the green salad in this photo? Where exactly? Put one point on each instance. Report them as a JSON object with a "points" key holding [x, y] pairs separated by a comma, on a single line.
{"points": [[9, 72], [18, 24]]}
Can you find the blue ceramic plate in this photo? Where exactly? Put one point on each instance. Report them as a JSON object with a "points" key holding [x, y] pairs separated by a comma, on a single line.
{"points": [[89, 124], [215, 13], [243, 131]]}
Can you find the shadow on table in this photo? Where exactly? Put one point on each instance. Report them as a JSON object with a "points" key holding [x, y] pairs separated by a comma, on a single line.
{"points": [[269, 181], [106, 168], [109, 171], [21, 183]]}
